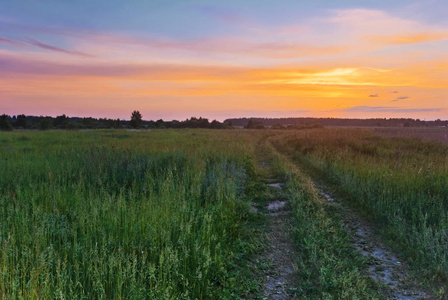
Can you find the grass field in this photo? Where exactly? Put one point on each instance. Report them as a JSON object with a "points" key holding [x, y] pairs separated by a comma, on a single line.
{"points": [[116, 214], [438, 134], [165, 214], [401, 184]]}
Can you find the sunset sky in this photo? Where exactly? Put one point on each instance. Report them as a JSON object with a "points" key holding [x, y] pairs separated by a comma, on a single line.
{"points": [[222, 59]]}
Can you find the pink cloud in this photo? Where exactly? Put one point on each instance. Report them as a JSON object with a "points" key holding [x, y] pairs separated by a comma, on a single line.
{"points": [[380, 27], [226, 45]]}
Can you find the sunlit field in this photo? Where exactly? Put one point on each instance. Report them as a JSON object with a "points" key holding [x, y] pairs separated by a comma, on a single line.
{"points": [[168, 214]]}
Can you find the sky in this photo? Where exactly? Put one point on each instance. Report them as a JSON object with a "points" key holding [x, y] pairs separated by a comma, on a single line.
{"points": [[173, 59]]}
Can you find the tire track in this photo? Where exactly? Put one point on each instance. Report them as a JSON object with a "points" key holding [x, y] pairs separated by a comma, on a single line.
{"points": [[384, 266], [281, 277]]}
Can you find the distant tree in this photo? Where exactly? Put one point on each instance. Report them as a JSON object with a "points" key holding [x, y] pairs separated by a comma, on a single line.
{"points": [[61, 121], [203, 123], [136, 119], [45, 123], [89, 122], [21, 122], [160, 124], [249, 124], [216, 125], [254, 124], [5, 123]]}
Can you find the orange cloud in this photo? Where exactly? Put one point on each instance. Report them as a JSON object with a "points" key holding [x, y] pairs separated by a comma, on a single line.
{"points": [[408, 39], [29, 77]]}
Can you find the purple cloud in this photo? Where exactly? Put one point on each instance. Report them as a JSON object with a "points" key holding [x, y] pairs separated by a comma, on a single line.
{"points": [[4, 40], [53, 48], [373, 95], [400, 98], [11, 65]]}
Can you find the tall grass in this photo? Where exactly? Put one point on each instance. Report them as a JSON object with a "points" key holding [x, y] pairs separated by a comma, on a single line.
{"points": [[401, 183], [121, 215]]}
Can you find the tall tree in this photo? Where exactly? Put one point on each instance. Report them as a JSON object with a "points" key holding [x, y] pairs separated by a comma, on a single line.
{"points": [[45, 123], [61, 121], [136, 119], [5, 122], [21, 121]]}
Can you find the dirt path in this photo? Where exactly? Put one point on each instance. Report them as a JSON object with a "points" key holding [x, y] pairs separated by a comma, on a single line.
{"points": [[385, 266], [280, 277]]}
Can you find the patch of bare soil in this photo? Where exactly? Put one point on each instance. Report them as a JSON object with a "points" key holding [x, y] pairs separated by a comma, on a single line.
{"points": [[385, 266], [281, 278]]}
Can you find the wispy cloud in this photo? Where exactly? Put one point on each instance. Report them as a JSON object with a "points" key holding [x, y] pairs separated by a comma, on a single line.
{"points": [[235, 45], [374, 96], [353, 31], [380, 28], [357, 30], [408, 38], [4, 40], [130, 72], [388, 109], [400, 98], [220, 13], [54, 48]]}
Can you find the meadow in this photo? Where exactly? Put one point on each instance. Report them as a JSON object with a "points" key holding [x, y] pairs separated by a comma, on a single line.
{"points": [[399, 184], [166, 214], [123, 215], [438, 134]]}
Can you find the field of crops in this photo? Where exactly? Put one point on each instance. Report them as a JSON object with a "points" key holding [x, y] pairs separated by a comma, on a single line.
{"points": [[168, 214]]}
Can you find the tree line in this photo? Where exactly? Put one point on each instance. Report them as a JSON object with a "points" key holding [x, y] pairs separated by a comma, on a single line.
{"points": [[136, 121], [283, 123], [22, 121]]}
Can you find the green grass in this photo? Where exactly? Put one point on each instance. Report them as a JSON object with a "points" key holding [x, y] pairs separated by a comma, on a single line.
{"points": [[124, 215], [329, 267], [400, 183], [116, 214]]}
